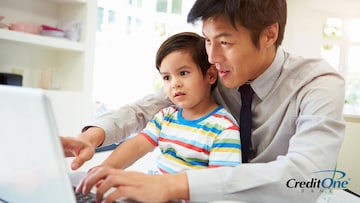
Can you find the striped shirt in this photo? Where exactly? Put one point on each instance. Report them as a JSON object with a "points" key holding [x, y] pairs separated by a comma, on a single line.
{"points": [[210, 141]]}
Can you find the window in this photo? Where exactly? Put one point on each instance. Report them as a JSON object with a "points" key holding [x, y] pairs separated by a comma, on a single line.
{"points": [[100, 19], [112, 16], [163, 6], [127, 38], [176, 6], [341, 48]]}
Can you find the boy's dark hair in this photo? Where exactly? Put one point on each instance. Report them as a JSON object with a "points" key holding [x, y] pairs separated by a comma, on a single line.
{"points": [[254, 15], [185, 41]]}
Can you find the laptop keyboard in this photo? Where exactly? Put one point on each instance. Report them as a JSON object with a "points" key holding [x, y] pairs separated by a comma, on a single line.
{"points": [[90, 198], [81, 198]]}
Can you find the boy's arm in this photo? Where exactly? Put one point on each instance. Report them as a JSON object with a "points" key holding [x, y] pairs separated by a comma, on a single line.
{"points": [[129, 152]]}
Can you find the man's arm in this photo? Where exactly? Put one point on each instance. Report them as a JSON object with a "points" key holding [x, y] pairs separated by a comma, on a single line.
{"points": [[113, 127], [129, 119]]}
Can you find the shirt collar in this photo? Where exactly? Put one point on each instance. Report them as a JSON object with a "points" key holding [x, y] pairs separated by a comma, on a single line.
{"points": [[266, 81]]}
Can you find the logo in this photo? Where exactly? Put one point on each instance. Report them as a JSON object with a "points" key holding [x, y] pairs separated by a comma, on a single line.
{"points": [[336, 180]]}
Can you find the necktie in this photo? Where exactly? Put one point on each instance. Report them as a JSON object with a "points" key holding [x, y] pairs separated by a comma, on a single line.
{"points": [[245, 120]]}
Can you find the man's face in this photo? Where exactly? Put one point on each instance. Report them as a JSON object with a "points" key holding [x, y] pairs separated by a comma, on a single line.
{"points": [[232, 51]]}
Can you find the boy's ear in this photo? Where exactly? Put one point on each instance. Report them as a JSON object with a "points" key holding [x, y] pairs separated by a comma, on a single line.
{"points": [[212, 74]]}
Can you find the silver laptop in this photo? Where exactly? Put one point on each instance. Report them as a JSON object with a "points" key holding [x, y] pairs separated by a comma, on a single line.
{"points": [[32, 163]]}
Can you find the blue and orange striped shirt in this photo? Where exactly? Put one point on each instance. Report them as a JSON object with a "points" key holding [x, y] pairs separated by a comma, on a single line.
{"points": [[210, 141]]}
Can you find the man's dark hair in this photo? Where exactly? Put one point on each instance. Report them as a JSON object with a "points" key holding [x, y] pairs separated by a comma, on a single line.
{"points": [[254, 15]]}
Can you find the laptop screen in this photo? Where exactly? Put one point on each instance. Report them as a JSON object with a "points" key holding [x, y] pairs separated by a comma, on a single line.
{"points": [[33, 167]]}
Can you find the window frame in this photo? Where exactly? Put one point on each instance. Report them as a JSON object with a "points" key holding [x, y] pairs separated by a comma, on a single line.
{"points": [[344, 43]]}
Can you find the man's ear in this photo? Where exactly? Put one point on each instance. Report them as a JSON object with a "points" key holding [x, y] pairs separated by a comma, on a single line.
{"points": [[212, 74], [269, 35]]}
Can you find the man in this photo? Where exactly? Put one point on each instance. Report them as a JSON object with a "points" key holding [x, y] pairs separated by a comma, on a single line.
{"points": [[297, 123]]}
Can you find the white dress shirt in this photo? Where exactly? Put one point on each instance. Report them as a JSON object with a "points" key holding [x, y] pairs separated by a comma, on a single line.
{"points": [[298, 129]]}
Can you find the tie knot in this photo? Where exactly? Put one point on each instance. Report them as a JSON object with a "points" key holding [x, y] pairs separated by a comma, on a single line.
{"points": [[246, 93]]}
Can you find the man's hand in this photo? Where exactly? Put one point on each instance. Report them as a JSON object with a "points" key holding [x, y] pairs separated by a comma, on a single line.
{"points": [[112, 184], [82, 147], [79, 148]]}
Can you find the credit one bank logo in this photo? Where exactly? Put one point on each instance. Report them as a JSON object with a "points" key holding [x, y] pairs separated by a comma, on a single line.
{"points": [[336, 180]]}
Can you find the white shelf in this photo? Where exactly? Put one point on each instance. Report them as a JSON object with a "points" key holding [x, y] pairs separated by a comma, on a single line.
{"points": [[41, 41], [57, 63]]}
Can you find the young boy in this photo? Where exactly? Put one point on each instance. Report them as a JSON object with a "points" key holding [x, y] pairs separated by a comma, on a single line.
{"points": [[193, 133]]}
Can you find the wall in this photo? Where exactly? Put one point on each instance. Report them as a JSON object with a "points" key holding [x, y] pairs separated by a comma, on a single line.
{"points": [[302, 37], [349, 154], [303, 30]]}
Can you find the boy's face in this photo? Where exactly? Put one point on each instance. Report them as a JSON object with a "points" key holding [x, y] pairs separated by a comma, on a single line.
{"points": [[183, 80], [235, 56]]}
